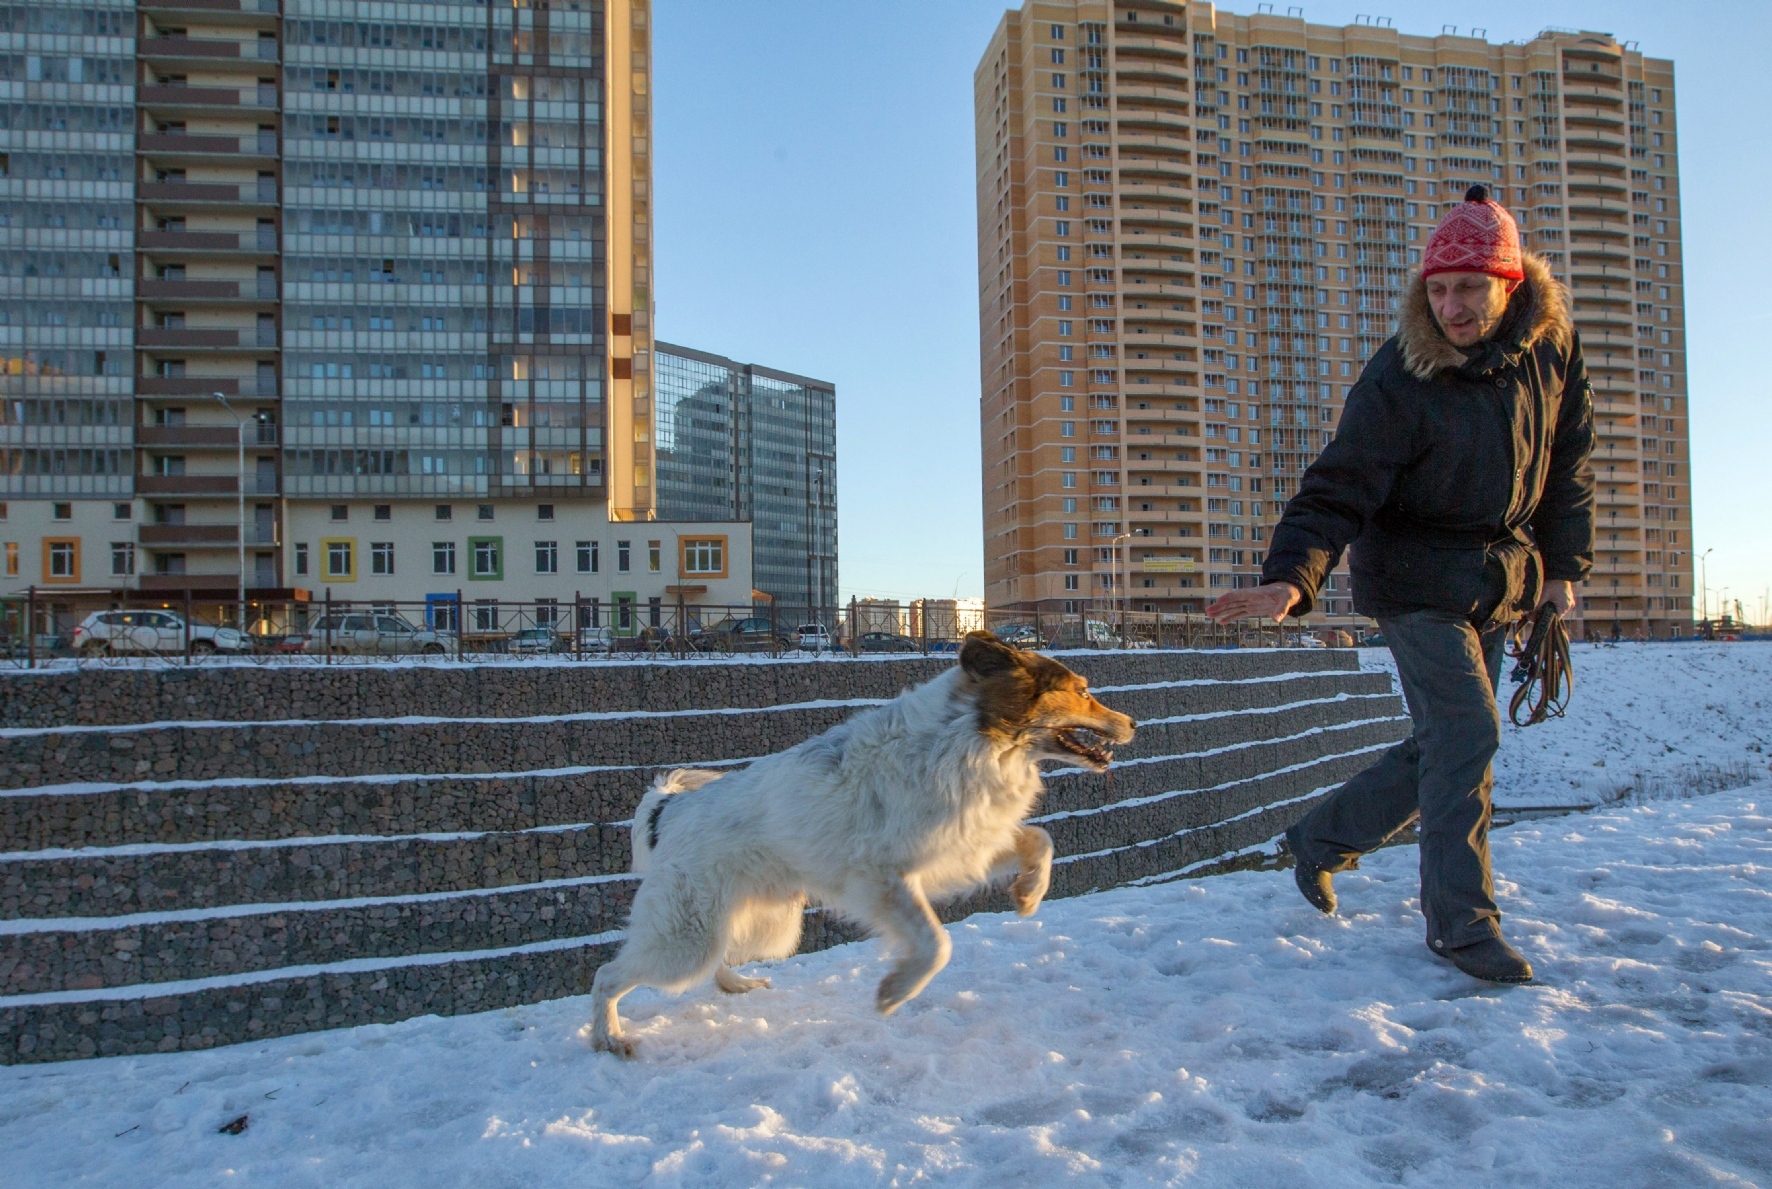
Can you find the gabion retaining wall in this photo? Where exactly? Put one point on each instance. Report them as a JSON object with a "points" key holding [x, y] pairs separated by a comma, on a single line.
{"points": [[205, 856]]}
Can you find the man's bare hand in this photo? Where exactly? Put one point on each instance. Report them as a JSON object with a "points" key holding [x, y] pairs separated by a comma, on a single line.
{"points": [[1262, 602], [1560, 594]]}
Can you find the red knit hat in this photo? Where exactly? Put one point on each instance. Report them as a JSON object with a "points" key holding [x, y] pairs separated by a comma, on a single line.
{"points": [[1476, 235]]}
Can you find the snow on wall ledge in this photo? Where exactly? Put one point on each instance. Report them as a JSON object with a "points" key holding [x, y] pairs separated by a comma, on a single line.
{"points": [[191, 858]]}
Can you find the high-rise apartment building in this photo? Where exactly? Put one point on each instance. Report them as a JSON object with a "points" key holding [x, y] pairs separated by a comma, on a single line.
{"points": [[738, 441], [1196, 227], [402, 250]]}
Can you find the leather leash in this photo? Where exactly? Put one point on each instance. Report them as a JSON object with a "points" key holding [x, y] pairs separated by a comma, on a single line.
{"points": [[1542, 669]]}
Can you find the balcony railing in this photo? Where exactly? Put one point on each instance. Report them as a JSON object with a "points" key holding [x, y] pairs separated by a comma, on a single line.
{"points": [[186, 484]]}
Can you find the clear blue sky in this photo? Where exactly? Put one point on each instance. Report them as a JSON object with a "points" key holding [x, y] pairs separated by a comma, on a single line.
{"points": [[816, 213]]}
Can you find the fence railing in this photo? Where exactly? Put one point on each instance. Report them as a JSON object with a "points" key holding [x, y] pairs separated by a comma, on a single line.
{"points": [[457, 626]]}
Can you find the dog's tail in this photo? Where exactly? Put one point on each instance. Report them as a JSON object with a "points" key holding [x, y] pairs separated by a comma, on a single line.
{"points": [[652, 807]]}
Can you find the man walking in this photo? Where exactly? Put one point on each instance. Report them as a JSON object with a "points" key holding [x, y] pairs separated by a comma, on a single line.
{"points": [[1459, 474]]}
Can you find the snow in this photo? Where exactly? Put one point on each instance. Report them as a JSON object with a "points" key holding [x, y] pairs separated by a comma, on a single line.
{"points": [[1206, 1032], [1212, 1032], [1645, 720]]}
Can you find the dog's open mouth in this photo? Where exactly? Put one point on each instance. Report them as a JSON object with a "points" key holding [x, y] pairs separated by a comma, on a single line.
{"points": [[1082, 741]]}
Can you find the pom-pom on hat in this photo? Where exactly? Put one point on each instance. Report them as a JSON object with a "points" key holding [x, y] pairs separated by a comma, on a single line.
{"points": [[1476, 235]]}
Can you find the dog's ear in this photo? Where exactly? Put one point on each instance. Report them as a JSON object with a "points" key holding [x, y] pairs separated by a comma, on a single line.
{"points": [[983, 655]]}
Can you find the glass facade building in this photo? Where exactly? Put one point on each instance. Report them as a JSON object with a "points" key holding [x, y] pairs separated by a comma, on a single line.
{"points": [[310, 252], [736, 441]]}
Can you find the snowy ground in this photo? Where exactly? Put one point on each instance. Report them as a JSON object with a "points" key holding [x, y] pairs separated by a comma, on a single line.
{"points": [[1205, 1032], [1647, 721]]}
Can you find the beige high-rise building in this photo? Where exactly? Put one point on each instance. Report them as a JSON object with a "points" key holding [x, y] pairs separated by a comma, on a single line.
{"points": [[1194, 229]]}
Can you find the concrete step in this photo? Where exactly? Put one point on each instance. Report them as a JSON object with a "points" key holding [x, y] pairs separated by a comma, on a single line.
{"points": [[408, 745], [102, 695], [258, 808]]}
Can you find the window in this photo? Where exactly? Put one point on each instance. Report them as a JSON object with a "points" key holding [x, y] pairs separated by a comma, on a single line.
{"points": [[484, 511], [337, 557], [623, 556], [704, 557], [547, 557], [381, 557], [443, 557], [122, 559], [544, 511], [587, 557], [384, 511], [653, 559], [445, 512], [12, 559], [487, 558], [118, 512], [301, 559], [341, 511], [61, 559]]}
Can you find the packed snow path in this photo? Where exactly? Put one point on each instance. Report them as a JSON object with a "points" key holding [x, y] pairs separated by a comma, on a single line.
{"points": [[1201, 1032]]}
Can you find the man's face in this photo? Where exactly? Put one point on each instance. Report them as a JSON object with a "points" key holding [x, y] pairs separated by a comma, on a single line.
{"points": [[1468, 305]]}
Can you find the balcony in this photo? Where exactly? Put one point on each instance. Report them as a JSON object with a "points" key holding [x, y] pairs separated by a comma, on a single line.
{"points": [[197, 485], [204, 50], [164, 535], [179, 147], [219, 9], [154, 289], [180, 339], [179, 195], [186, 385], [206, 243], [1174, 97], [187, 435]]}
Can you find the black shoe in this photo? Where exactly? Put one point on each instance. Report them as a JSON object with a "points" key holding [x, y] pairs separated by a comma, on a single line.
{"points": [[1493, 961], [1314, 884]]}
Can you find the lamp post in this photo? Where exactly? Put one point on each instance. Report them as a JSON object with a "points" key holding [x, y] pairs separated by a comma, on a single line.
{"points": [[1704, 587], [1114, 573], [240, 501]]}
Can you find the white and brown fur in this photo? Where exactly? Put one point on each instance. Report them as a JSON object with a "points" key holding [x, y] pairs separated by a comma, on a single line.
{"points": [[907, 803], [1539, 305]]}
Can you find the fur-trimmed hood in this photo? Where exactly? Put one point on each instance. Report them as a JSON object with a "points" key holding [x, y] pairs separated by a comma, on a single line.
{"points": [[1538, 312]]}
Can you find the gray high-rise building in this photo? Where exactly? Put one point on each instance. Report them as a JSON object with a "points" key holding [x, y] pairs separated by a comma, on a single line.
{"points": [[738, 441], [401, 251]]}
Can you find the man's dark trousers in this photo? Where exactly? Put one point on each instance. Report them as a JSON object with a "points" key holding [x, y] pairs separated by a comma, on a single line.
{"points": [[1449, 671]]}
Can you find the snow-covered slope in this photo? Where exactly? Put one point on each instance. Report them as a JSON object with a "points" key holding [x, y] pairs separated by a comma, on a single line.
{"points": [[1646, 721], [1209, 1033]]}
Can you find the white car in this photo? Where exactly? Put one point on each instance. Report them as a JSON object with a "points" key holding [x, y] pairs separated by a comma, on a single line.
{"points": [[110, 632], [596, 640], [373, 634], [813, 637]]}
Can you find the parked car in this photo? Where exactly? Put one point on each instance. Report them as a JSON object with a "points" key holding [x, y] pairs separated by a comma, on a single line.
{"points": [[740, 635], [1375, 640], [105, 632], [886, 642], [355, 634], [1021, 635], [265, 636], [813, 637], [532, 641], [599, 640]]}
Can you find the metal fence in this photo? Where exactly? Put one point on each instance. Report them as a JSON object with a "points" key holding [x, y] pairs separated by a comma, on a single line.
{"points": [[441, 628]]}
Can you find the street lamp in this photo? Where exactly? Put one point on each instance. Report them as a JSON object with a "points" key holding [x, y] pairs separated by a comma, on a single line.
{"points": [[1116, 570], [1704, 586], [240, 500]]}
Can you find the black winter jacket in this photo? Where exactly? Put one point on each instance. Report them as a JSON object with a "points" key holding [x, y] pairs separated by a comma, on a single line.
{"points": [[1461, 479]]}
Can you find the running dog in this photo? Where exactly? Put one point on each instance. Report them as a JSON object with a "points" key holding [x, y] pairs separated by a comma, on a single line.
{"points": [[913, 801]]}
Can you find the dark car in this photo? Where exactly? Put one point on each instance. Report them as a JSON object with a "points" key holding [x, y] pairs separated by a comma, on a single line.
{"points": [[886, 642], [1021, 635], [740, 635]]}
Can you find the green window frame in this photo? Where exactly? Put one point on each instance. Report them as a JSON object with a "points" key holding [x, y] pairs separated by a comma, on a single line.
{"points": [[486, 559]]}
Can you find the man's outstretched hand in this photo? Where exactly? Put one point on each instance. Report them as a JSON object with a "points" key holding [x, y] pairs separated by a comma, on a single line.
{"points": [[1261, 602]]}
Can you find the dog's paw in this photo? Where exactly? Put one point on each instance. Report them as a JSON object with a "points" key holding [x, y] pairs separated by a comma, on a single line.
{"points": [[733, 983], [1028, 890], [621, 1046], [896, 989]]}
